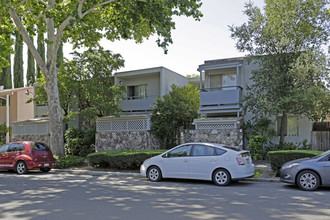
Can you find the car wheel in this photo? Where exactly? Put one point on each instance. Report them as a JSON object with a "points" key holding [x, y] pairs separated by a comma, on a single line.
{"points": [[154, 174], [21, 167], [221, 177], [308, 180], [45, 170]]}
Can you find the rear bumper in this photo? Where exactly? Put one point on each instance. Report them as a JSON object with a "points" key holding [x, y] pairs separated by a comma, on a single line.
{"points": [[45, 164], [243, 172]]}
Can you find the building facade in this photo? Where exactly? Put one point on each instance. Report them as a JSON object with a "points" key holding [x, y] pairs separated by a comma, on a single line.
{"points": [[132, 129]]}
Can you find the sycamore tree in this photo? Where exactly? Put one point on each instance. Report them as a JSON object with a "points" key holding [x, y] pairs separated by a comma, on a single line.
{"points": [[85, 23], [86, 86], [174, 112], [286, 40]]}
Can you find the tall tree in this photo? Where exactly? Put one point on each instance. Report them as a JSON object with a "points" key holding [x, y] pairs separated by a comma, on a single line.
{"points": [[6, 40], [286, 42], [30, 72], [87, 82], [85, 23], [18, 62], [41, 51], [5, 75]]}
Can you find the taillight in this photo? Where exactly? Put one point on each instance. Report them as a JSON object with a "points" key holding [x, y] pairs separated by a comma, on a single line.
{"points": [[240, 160]]}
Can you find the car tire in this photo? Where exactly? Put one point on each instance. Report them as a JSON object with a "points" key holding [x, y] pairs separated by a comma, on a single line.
{"points": [[221, 177], [45, 170], [154, 174], [21, 168], [308, 180]]}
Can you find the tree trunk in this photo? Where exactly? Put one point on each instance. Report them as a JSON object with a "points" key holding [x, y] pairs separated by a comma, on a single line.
{"points": [[55, 115], [282, 129]]}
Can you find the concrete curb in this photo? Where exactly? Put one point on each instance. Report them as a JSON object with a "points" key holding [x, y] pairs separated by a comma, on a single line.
{"points": [[96, 173], [107, 173]]}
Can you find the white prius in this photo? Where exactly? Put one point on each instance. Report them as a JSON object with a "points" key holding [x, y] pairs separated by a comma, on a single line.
{"points": [[204, 161]]}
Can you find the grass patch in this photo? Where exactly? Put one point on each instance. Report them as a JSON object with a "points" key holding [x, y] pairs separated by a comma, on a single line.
{"points": [[257, 173]]}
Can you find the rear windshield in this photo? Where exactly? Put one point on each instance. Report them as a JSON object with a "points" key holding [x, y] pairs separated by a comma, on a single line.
{"points": [[232, 148], [39, 146]]}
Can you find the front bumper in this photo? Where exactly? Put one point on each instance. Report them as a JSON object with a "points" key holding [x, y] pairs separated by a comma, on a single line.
{"points": [[143, 170], [288, 175]]}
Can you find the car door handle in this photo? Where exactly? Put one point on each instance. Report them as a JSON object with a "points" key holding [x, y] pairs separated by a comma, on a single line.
{"points": [[185, 160]]}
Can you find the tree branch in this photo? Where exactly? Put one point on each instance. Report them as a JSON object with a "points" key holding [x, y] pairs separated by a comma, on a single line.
{"points": [[27, 39], [81, 2]]}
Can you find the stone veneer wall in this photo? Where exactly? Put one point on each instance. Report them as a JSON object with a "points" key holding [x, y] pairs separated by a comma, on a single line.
{"points": [[38, 138], [125, 140], [230, 137]]}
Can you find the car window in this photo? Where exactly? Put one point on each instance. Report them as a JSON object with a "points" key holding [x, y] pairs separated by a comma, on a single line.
{"points": [[4, 148], [219, 151], [180, 151], [232, 148], [39, 146], [202, 150], [16, 147]]}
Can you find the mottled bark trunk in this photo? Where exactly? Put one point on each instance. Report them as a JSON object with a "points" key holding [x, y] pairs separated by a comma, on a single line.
{"points": [[55, 115]]}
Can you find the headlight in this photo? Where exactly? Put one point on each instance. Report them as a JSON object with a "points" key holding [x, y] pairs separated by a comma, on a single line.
{"points": [[290, 166]]}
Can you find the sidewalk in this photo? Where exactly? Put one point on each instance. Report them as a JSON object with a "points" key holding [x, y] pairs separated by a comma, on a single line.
{"points": [[267, 176]]}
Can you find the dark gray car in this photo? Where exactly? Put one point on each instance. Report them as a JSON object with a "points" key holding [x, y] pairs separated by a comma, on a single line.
{"points": [[308, 173]]}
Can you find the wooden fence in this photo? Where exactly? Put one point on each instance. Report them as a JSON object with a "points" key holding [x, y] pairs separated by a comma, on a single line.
{"points": [[321, 136]]}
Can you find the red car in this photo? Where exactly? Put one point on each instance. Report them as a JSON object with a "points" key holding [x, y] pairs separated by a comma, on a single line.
{"points": [[26, 155]]}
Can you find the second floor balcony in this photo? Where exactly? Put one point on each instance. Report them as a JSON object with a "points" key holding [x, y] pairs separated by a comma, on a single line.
{"points": [[137, 104], [221, 100]]}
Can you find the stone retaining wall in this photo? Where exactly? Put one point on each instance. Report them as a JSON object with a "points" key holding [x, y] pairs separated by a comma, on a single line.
{"points": [[37, 138], [230, 137], [125, 140]]}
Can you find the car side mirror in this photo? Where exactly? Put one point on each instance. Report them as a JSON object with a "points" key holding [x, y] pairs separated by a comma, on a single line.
{"points": [[166, 155]]}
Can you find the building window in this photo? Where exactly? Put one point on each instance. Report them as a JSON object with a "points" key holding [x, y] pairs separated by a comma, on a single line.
{"points": [[291, 126], [137, 92], [222, 81]]}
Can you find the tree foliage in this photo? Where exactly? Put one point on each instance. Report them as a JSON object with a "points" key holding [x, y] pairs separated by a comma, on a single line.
{"points": [[285, 41], [18, 62], [30, 72], [5, 75], [86, 85], [174, 112], [83, 24]]}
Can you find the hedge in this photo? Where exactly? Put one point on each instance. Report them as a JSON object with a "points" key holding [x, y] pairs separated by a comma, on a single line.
{"points": [[121, 159], [278, 158]]}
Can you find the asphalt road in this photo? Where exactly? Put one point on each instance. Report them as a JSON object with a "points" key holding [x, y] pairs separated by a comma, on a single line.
{"points": [[59, 195]]}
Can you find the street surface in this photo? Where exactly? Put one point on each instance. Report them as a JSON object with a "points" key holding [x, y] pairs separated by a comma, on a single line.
{"points": [[61, 196]]}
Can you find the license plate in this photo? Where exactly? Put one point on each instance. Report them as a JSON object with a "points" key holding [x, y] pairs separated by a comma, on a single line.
{"points": [[46, 165]]}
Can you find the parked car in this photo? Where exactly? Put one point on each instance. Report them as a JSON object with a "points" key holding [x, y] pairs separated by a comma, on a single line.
{"points": [[26, 155], [205, 161], [307, 173]]}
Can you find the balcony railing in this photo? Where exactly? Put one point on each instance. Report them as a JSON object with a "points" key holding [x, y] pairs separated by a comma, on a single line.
{"points": [[220, 100], [137, 104]]}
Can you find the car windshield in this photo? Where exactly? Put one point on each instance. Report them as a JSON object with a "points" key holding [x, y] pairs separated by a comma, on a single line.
{"points": [[321, 155]]}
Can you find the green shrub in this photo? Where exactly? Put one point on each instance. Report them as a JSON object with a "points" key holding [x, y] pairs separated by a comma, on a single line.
{"points": [[79, 142], [69, 161], [121, 159], [256, 147], [278, 158]]}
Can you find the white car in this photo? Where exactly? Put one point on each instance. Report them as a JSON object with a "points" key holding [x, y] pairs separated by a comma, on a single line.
{"points": [[203, 161]]}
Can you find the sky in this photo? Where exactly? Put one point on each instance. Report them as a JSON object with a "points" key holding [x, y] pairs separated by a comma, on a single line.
{"points": [[193, 41]]}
